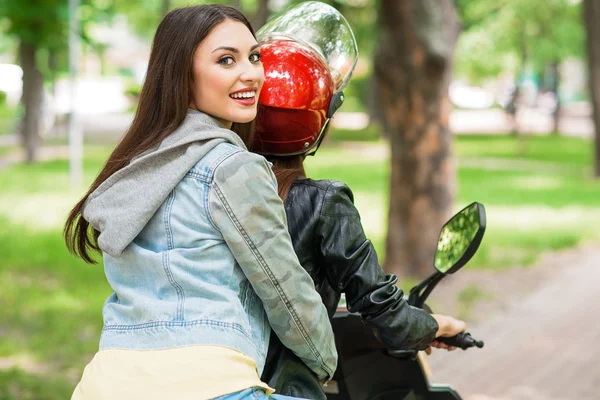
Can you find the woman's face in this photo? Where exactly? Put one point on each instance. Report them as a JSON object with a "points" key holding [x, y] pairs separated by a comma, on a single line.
{"points": [[228, 74]]}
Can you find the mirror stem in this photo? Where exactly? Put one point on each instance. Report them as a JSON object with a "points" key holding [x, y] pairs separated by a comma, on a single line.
{"points": [[437, 278], [415, 297]]}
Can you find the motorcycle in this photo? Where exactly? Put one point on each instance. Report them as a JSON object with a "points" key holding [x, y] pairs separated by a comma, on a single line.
{"points": [[367, 370]]}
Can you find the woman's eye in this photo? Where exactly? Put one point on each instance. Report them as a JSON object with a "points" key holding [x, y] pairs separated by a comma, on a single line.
{"points": [[226, 60], [255, 57]]}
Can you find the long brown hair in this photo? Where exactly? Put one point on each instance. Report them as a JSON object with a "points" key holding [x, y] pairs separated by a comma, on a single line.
{"points": [[287, 170], [162, 106]]}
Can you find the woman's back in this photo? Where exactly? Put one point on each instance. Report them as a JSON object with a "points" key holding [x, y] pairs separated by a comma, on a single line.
{"points": [[331, 245], [180, 274]]}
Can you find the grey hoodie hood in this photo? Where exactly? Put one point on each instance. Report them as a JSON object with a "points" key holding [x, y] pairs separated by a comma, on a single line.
{"points": [[124, 203]]}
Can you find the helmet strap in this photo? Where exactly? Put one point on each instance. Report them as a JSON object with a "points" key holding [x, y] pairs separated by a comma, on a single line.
{"points": [[319, 139], [336, 102]]}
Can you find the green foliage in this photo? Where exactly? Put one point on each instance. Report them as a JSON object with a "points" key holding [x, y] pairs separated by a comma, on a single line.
{"points": [[133, 90], [357, 93], [43, 24], [145, 15], [362, 17], [46, 24], [497, 35]]}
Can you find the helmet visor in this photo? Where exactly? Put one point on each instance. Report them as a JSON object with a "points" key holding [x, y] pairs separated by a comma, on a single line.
{"points": [[324, 29]]}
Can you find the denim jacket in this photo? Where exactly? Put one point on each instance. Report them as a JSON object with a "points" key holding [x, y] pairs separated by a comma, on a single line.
{"points": [[211, 262]]}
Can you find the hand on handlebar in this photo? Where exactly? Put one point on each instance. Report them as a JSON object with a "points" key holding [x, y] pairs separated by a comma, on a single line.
{"points": [[448, 327]]}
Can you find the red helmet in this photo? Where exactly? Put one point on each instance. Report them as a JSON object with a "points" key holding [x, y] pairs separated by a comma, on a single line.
{"points": [[308, 55], [293, 106]]}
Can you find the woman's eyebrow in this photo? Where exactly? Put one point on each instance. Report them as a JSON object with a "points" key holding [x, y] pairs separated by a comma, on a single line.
{"points": [[233, 49]]}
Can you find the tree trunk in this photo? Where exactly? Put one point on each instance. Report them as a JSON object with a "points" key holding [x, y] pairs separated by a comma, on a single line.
{"points": [[262, 14], [555, 88], [165, 7], [513, 106], [413, 66], [33, 89], [591, 16]]}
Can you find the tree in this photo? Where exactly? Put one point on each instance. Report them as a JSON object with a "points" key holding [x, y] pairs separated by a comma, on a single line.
{"points": [[591, 16], [515, 35], [43, 27], [412, 69], [34, 28], [260, 15], [145, 15], [165, 7]]}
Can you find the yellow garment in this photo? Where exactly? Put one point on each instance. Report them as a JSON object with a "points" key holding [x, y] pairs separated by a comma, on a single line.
{"points": [[194, 372]]}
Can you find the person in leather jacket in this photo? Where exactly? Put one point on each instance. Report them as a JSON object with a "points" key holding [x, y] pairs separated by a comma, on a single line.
{"points": [[300, 94]]}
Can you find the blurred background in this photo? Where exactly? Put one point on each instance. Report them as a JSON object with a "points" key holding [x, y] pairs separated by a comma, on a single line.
{"points": [[451, 102]]}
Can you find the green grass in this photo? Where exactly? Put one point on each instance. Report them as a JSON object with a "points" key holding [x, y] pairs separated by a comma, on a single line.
{"points": [[371, 133], [51, 301], [20, 385], [540, 200], [8, 119], [557, 150], [6, 150]]}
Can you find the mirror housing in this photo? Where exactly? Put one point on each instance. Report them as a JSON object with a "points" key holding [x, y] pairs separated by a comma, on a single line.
{"points": [[460, 238], [470, 225]]}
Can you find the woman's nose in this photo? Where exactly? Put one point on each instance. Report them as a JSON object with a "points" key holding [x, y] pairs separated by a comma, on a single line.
{"points": [[252, 72]]}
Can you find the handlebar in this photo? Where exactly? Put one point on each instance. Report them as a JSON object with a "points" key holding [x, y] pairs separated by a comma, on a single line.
{"points": [[463, 340]]}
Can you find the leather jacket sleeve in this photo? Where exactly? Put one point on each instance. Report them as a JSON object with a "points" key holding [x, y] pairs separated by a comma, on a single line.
{"points": [[351, 266]]}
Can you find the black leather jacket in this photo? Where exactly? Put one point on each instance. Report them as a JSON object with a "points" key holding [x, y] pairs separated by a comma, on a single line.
{"points": [[331, 245]]}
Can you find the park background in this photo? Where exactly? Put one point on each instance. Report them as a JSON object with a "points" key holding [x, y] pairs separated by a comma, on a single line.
{"points": [[451, 102]]}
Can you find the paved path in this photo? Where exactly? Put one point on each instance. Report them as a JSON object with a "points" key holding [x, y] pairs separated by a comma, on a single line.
{"points": [[546, 346]]}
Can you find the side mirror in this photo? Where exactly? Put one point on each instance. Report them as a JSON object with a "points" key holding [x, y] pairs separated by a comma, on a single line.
{"points": [[460, 238]]}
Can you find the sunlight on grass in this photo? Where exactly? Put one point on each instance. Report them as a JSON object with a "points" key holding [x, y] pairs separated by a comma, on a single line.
{"points": [[42, 211], [6, 150], [583, 219], [51, 314], [17, 384], [570, 150], [537, 182]]}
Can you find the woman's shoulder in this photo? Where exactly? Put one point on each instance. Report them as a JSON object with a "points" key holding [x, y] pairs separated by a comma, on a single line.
{"points": [[227, 158], [335, 197], [325, 186]]}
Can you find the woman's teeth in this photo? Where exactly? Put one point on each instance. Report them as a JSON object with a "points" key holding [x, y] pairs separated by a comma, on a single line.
{"points": [[244, 95]]}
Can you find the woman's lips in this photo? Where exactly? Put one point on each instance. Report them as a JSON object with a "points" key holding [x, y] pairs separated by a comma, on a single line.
{"points": [[245, 101]]}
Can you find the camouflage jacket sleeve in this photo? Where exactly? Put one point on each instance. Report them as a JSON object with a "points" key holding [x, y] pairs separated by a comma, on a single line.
{"points": [[245, 206]]}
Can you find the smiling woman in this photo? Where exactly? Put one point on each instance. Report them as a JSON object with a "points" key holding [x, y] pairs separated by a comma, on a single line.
{"points": [[227, 78], [192, 231]]}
